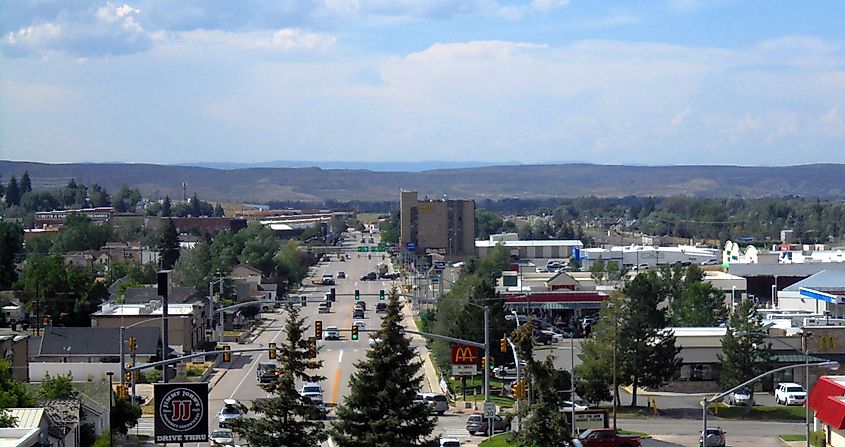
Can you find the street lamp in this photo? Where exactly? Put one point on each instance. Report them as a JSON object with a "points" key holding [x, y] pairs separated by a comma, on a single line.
{"points": [[111, 395], [706, 400]]}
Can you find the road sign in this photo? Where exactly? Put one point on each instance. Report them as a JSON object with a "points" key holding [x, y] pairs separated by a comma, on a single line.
{"points": [[489, 409], [464, 370], [181, 412], [464, 355]]}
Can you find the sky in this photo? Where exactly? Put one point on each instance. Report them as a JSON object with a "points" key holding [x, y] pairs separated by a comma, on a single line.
{"points": [[652, 82]]}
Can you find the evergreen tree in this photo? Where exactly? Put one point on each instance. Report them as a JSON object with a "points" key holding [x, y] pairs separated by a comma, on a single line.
{"points": [[13, 192], [380, 410], [649, 356], [166, 207], [169, 252], [285, 420], [26, 183], [11, 244], [744, 353]]}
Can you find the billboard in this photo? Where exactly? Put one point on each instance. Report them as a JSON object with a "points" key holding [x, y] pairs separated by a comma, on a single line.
{"points": [[464, 355], [181, 412]]}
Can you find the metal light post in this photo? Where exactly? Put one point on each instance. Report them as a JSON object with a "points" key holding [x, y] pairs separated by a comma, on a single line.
{"points": [[706, 400], [111, 393]]}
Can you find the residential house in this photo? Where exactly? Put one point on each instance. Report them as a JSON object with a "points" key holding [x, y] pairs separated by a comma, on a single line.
{"points": [[95, 344], [14, 347], [32, 426], [65, 417], [187, 322]]}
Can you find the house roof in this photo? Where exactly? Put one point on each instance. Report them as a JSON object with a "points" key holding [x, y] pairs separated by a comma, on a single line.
{"points": [[27, 417], [827, 279], [70, 341], [64, 414], [143, 295]]}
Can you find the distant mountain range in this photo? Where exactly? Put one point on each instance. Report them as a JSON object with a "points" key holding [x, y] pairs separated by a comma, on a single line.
{"points": [[262, 184]]}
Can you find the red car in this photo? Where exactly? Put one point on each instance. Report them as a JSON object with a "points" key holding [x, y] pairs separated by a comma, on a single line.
{"points": [[605, 437]]}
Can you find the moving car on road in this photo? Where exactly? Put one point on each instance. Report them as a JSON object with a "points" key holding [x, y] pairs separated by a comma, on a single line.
{"points": [[267, 372], [232, 410], [715, 438], [476, 423], [223, 437], [331, 333], [604, 437]]}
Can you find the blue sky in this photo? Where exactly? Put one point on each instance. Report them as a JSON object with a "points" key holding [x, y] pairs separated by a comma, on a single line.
{"points": [[533, 81]]}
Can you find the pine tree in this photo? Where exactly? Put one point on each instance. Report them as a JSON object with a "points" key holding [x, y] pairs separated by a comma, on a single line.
{"points": [[26, 183], [284, 420], [380, 410], [745, 355], [166, 207], [13, 192], [647, 355], [169, 246]]}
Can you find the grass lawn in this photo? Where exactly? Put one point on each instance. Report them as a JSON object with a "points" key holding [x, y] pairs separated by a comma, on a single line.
{"points": [[774, 412], [789, 438], [502, 440]]}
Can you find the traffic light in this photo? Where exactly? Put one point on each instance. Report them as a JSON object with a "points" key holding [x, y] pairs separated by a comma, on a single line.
{"points": [[381, 295], [312, 347], [272, 353], [133, 344], [354, 332], [318, 329], [503, 344], [357, 294], [227, 356]]}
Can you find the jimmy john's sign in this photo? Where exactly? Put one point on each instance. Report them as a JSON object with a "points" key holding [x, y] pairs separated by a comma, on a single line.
{"points": [[181, 412]]}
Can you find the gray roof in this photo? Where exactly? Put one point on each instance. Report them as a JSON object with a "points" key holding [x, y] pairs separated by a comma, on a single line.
{"points": [[143, 295], [823, 280], [70, 341], [64, 414], [804, 269]]}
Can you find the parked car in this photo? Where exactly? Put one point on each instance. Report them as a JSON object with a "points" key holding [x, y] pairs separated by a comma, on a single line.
{"points": [[604, 437], [741, 397], [476, 423], [267, 372], [223, 437], [715, 438], [331, 333], [381, 308], [438, 402], [542, 338], [232, 410], [788, 393]]}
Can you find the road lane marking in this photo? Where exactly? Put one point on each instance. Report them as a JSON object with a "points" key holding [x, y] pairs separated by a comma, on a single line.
{"points": [[336, 389], [254, 364]]}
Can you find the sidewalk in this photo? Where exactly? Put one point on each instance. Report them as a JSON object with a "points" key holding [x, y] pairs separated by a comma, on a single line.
{"points": [[432, 380]]}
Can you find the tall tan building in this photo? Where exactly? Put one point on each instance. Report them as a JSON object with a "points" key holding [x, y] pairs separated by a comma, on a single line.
{"points": [[445, 227]]}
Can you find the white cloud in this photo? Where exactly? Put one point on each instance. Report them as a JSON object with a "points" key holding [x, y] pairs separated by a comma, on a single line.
{"points": [[296, 39], [681, 116], [548, 5]]}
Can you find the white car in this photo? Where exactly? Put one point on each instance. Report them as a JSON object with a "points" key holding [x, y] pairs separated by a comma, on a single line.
{"points": [[556, 338], [232, 410], [788, 393]]}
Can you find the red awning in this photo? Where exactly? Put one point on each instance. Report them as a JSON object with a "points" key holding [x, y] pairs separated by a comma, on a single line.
{"points": [[824, 388], [832, 412]]}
